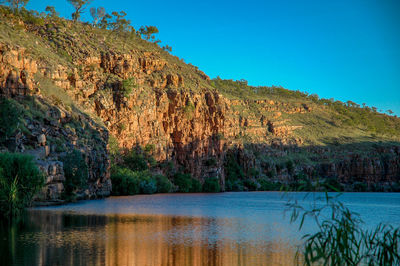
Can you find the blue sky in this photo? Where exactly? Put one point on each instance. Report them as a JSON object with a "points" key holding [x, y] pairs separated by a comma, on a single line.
{"points": [[342, 49]]}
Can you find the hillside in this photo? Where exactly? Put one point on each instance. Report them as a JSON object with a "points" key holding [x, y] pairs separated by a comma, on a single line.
{"points": [[108, 94]]}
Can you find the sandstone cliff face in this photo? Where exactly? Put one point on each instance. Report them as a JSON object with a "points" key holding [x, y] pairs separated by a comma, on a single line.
{"points": [[16, 71], [50, 136], [175, 110], [186, 127]]}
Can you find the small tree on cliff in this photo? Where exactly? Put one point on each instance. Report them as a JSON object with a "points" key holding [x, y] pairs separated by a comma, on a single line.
{"points": [[120, 24], [15, 4], [105, 21], [167, 48], [80, 6], [148, 32], [51, 11], [97, 14]]}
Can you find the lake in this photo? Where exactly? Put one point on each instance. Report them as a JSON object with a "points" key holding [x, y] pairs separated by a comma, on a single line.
{"points": [[244, 228]]}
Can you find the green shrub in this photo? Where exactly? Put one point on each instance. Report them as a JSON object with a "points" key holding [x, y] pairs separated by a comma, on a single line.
{"points": [[359, 187], [128, 182], [31, 17], [124, 182], [290, 166], [253, 172], [233, 169], [147, 183], [149, 148], [211, 185], [236, 185], [250, 184], [183, 181], [196, 186], [127, 86], [114, 150], [210, 162], [51, 12], [164, 185], [234, 174], [76, 172], [266, 185], [9, 118], [20, 180], [189, 109], [135, 161], [186, 183], [148, 186]]}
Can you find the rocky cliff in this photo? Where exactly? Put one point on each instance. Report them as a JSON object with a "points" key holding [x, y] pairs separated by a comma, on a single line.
{"points": [[90, 85]]}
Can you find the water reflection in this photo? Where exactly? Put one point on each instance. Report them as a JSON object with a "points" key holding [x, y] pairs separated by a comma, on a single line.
{"points": [[175, 229], [59, 238]]}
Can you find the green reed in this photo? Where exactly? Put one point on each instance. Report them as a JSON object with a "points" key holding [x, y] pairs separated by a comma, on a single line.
{"points": [[340, 238]]}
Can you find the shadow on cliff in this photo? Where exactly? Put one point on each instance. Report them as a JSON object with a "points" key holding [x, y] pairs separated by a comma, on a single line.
{"points": [[365, 165]]}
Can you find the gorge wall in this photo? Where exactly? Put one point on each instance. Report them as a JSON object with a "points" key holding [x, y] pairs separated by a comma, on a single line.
{"points": [[147, 97]]}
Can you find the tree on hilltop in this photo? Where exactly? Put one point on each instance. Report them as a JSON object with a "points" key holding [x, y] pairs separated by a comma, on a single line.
{"points": [[80, 6], [97, 14], [116, 22], [105, 21], [52, 12], [390, 112], [167, 48], [148, 32], [15, 4], [120, 24]]}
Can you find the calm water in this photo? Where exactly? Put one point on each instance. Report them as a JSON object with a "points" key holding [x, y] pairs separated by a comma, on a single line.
{"points": [[174, 229]]}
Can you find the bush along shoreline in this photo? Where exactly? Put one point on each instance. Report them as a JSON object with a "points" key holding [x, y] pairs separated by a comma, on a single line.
{"points": [[137, 172]]}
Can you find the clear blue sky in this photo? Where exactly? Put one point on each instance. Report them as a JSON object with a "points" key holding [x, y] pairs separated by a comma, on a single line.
{"points": [[342, 49]]}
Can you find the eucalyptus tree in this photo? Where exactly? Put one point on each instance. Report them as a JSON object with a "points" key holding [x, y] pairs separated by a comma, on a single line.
{"points": [[15, 4], [80, 6], [51, 10], [148, 32], [97, 14]]}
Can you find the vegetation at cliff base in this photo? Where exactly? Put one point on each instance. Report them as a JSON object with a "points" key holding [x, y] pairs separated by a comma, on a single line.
{"points": [[9, 118], [186, 183], [211, 184], [20, 181], [76, 173], [131, 173]]}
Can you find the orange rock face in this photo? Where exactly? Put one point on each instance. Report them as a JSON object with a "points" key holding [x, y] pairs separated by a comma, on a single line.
{"points": [[185, 126], [186, 122], [16, 72]]}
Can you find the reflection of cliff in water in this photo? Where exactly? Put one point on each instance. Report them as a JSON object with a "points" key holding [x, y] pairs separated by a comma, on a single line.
{"points": [[51, 238]]}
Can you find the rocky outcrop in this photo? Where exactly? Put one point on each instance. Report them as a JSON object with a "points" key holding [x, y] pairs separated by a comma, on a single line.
{"points": [[49, 135], [16, 72]]}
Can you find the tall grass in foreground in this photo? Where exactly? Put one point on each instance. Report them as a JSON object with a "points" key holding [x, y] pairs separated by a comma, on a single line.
{"points": [[20, 181], [340, 238]]}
